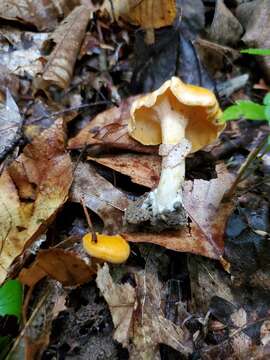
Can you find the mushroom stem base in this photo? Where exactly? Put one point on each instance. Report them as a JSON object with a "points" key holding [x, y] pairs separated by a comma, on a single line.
{"points": [[140, 213]]}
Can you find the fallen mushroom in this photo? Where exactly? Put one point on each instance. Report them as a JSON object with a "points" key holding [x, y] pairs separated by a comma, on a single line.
{"points": [[181, 118], [111, 248]]}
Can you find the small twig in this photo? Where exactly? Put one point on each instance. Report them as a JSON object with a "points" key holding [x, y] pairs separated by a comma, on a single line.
{"points": [[251, 157], [74, 108], [89, 222]]}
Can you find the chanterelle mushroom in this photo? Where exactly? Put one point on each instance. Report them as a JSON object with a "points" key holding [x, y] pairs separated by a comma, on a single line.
{"points": [[181, 118], [111, 248]]}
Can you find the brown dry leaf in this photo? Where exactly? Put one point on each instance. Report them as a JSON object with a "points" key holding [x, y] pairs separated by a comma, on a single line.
{"points": [[138, 317], [149, 14], [121, 300], [110, 128], [202, 201], [32, 189], [257, 26], [67, 267], [67, 38], [142, 169], [32, 275], [43, 14], [99, 195]]}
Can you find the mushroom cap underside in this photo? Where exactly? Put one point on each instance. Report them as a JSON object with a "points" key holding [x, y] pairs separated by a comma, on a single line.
{"points": [[198, 105]]}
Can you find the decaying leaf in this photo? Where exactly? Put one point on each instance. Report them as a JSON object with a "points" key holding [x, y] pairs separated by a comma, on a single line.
{"points": [[138, 316], [67, 38], [32, 189], [67, 267], [143, 169], [202, 201], [42, 14], [110, 128], [10, 125], [99, 195]]}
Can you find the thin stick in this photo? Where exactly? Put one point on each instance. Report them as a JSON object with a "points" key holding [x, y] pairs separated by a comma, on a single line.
{"points": [[89, 222]]}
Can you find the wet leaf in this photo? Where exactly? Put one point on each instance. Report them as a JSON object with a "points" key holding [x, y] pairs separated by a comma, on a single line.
{"points": [[10, 125], [67, 38], [110, 128], [32, 189], [42, 14], [99, 195], [142, 169], [172, 55]]}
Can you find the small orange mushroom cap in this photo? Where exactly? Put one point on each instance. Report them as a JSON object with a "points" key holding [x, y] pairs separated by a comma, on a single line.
{"points": [[114, 249], [198, 105]]}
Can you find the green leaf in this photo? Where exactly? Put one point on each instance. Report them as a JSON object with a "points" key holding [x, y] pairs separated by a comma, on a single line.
{"points": [[246, 109], [267, 113], [11, 298], [266, 99], [263, 52]]}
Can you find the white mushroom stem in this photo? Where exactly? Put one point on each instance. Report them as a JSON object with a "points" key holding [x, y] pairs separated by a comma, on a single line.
{"points": [[174, 149]]}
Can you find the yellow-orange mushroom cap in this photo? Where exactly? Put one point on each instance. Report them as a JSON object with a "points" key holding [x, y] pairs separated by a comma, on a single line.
{"points": [[198, 105], [111, 248]]}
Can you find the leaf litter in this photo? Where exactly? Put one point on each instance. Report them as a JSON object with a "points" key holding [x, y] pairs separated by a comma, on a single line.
{"points": [[92, 62]]}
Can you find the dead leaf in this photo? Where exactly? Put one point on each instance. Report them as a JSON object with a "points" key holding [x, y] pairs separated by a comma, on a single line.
{"points": [[43, 15], [142, 169], [110, 128], [32, 275], [121, 300], [206, 234], [21, 51], [225, 28], [99, 195], [67, 267], [32, 189], [149, 14], [138, 317], [257, 28], [67, 38], [10, 125], [202, 200]]}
